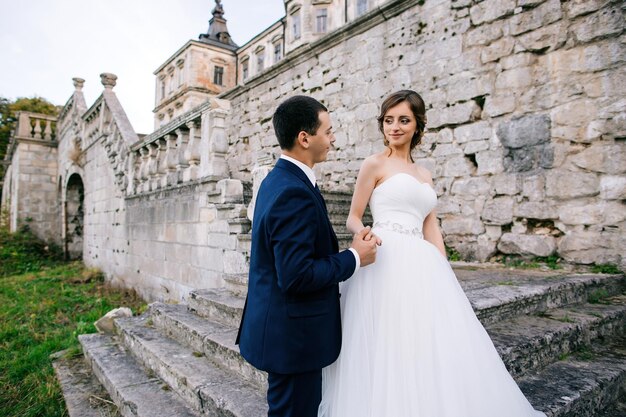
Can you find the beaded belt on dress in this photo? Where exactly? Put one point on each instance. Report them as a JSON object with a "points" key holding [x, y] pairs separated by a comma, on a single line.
{"points": [[400, 228]]}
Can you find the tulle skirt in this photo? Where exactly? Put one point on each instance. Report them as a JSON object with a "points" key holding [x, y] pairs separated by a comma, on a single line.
{"points": [[412, 345]]}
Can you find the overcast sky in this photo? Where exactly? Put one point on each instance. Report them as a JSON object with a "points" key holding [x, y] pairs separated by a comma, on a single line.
{"points": [[44, 43]]}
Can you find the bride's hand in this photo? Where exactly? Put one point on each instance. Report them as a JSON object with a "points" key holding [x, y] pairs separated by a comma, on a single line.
{"points": [[370, 235]]}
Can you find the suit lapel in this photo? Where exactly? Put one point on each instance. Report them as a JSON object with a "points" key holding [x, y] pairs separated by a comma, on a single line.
{"points": [[292, 168]]}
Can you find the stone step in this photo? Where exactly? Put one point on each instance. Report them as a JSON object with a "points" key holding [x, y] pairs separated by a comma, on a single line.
{"points": [[528, 343], [135, 393], [219, 305], [216, 341], [84, 396], [495, 294], [236, 283], [498, 294], [584, 385], [207, 388], [525, 343]]}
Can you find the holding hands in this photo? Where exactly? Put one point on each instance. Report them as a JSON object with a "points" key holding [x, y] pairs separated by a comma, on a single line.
{"points": [[365, 243]]}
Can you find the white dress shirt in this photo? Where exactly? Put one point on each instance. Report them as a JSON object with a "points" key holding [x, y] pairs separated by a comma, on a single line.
{"points": [[311, 176]]}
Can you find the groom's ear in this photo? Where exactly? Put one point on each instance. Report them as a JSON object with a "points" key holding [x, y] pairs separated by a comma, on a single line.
{"points": [[303, 140]]}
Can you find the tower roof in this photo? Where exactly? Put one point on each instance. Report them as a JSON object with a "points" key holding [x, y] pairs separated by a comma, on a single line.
{"points": [[218, 31]]}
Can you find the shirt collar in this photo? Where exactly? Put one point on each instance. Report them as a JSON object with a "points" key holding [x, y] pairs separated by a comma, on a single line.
{"points": [[304, 167]]}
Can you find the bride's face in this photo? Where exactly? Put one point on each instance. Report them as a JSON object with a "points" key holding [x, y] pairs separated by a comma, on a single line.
{"points": [[399, 125]]}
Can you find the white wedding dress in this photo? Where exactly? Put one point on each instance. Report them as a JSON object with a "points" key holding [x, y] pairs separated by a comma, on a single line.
{"points": [[412, 345]]}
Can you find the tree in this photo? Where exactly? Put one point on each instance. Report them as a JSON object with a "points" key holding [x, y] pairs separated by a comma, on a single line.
{"points": [[8, 118]]}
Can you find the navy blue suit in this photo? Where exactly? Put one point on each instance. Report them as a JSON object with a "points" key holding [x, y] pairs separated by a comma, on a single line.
{"points": [[291, 323]]}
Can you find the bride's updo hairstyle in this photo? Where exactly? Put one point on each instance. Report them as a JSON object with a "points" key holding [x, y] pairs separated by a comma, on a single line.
{"points": [[416, 103]]}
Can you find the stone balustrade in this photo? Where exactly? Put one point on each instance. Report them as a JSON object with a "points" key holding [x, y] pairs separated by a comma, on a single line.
{"points": [[34, 126], [190, 148]]}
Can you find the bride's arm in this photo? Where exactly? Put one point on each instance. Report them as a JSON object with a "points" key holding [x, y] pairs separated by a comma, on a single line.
{"points": [[431, 226], [365, 183]]}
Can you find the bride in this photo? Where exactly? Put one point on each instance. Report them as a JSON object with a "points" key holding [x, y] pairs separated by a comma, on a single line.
{"points": [[412, 345]]}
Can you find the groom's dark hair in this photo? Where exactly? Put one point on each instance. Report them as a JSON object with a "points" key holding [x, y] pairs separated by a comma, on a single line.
{"points": [[294, 115]]}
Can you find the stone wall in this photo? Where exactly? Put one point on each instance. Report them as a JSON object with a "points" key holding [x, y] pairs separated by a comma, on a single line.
{"points": [[525, 115], [31, 187]]}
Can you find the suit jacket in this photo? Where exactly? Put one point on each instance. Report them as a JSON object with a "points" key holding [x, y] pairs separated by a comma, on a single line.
{"points": [[291, 322]]}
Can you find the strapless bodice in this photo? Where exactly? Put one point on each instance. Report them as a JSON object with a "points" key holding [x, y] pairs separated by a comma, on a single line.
{"points": [[401, 203]]}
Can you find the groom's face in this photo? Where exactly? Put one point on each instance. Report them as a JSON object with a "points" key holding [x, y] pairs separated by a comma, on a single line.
{"points": [[321, 142]]}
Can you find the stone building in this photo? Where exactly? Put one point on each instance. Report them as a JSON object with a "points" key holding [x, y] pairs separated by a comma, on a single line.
{"points": [[526, 129]]}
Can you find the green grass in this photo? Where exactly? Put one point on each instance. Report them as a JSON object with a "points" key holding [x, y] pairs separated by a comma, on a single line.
{"points": [[43, 312], [599, 296], [605, 269], [22, 252], [453, 255]]}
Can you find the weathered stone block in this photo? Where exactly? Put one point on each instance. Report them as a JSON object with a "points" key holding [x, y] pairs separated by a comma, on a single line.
{"points": [[235, 263], [576, 213], [540, 210], [462, 226], [562, 184], [231, 191], [499, 105], [490, 162], [497, 50], [474, 147], [484, 34], [524, 131], [529, 245], [516, 78], [447, 149], [613, 187], [576, 8], [498, 211], [548, 38], [605, 22], [609, 159], [490, 10], [534, 187], [537, 17], [476, 131], [453, 115], [471, 187], [457, 166], [507, 184]]}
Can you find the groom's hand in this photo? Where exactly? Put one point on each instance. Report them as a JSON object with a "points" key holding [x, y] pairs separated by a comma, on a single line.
{"points": [[370, 235], [365, 248]]}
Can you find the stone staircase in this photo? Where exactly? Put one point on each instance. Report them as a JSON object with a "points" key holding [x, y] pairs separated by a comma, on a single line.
{"points": [[561, 336]]}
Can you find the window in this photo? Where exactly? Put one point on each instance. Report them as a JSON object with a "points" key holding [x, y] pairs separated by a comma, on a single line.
{"points": [[278, 51], [244, 69], [162, 89], [260, 60], [170, 84], [181, 77], [296, 25], [322, 20], [218, 75], [361, 7]]}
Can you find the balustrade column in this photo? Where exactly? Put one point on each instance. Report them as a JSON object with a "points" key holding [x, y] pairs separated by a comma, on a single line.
{"points": [[192, 153], [155, 152], [37, 130], [144, 171], [181, 147], [215, 140], [170, 161], [47, 133]]}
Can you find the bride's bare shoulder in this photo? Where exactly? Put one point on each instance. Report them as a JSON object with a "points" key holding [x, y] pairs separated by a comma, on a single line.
{"points": [[373, 162]]}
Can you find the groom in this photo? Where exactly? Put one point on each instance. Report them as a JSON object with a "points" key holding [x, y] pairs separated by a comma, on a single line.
{"points": [[291, 325]]}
